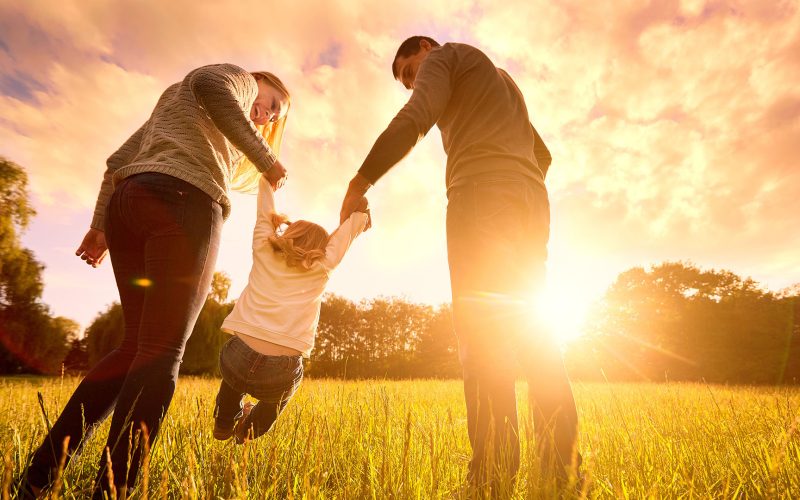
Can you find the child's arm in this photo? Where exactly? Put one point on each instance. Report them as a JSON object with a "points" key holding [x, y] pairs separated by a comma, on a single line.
{"points": [[265, 209], [343, 237]]}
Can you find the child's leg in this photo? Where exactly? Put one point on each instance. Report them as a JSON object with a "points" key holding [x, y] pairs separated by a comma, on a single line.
{"points": [[263, 416], [234, 358], [226, 411], [228, 406], [282, 377]]}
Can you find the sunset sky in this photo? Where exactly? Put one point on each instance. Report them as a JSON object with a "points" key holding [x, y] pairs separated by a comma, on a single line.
{"points": [[674, 127]]}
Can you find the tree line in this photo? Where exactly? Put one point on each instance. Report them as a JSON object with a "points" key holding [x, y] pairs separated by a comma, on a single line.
{"points": [[676, 321], [383, 337], [32, 339], [672, 321]]}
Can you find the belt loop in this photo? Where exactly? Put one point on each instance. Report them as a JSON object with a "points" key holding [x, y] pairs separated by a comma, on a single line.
{"points": [[256, 363]]}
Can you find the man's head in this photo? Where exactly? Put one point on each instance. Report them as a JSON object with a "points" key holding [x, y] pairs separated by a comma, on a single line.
{"points": [[408, 58]]}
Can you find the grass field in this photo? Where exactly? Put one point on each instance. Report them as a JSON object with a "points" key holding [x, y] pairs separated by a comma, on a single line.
{"points": [[384, 439]]}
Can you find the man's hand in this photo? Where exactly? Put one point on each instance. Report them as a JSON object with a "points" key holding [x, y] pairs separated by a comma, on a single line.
{"points": [[363, 207], [93, 248], [276, 175], [353, 198]]}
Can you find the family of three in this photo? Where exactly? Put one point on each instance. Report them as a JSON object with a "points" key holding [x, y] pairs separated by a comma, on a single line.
{"points": [[159, 213]]}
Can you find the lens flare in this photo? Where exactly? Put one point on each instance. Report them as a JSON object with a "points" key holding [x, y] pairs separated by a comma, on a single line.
{"points": [[560, 311]]}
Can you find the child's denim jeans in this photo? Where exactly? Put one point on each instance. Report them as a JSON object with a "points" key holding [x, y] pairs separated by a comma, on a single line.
{"points": [[272, 380]]}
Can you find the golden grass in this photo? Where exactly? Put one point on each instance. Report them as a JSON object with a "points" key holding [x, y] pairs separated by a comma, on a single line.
{"points": [[407, 439]]}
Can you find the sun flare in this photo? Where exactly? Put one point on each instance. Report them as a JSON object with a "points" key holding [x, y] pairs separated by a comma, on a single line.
{"points": [[562, 311]]}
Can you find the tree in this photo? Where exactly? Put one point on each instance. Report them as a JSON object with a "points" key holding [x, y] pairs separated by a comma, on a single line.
{"points": [[790, 296], [337, 337], [31, 340], [220, 286], [15, 208], [202, 349], [105, 333], [677, 322], [436, 353], [20, 274], [77, 358], [383, 337]]}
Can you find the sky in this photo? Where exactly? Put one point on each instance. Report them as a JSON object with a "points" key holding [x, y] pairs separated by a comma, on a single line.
{"points": [[674, 127]]}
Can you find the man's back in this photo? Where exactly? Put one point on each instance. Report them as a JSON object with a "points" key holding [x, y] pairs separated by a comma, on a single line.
{"points": [[480, 111]]}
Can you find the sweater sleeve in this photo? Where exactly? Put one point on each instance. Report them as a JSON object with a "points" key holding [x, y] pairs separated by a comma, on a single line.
{"points": [[225, 91], [342, 238], [432, 90], [265, 208], [121, 157]]}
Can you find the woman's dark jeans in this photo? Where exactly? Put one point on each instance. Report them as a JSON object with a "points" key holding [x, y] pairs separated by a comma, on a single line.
{"points": [[272, 380], [163, 236], [497, 232]]}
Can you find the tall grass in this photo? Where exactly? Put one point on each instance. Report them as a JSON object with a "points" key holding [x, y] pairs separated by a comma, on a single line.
{"points": [[383, 439]]}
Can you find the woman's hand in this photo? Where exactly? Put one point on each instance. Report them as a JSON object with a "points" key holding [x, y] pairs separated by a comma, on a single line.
{"points": [[276, 175], [93, 248]]}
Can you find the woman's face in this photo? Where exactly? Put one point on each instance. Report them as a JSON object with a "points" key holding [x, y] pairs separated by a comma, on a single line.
{"points": [[270, 104]]}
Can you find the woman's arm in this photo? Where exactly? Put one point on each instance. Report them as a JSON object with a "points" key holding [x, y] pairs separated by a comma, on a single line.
{"points": [[93, 249], [121, 157], [224, 91]]}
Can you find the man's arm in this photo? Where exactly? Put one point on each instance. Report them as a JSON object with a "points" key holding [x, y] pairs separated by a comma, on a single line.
{"points": [[432, 90], [540, 151], [392, 145]]}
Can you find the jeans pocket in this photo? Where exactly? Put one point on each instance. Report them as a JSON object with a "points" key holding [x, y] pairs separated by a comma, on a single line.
{"points": [[232, 368], [500, 200], [155, 208], [276, 379]]}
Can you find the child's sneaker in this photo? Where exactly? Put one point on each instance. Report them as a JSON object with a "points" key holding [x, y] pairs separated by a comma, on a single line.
{"points": [[242, 430], [224, 433]]}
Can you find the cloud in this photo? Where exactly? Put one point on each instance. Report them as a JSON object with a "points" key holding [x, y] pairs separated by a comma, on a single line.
{"points": [[673, 124]]}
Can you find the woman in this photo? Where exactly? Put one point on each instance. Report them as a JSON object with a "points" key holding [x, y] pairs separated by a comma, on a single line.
{"points": [[160, 210]]}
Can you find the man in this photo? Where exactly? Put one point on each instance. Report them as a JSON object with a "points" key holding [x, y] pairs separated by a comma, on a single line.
{"points": [[497, 231]]}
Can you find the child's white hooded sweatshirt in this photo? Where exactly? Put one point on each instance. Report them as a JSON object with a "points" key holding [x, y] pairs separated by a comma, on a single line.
{"points": [[281, 304]]}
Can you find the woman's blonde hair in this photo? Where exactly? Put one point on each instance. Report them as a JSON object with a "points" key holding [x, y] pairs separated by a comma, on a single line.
{"points": [[302, 243], [245, 175]]}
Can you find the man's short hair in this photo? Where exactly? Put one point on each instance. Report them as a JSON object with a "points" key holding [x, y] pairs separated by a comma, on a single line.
{"points": [[409, 48]]}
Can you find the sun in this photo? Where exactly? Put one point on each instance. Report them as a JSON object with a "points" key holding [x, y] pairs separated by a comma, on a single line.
{"points": [[562, 310]]}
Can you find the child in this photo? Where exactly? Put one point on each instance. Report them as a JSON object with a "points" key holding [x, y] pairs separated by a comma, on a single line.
{"points": [[274, 322]]}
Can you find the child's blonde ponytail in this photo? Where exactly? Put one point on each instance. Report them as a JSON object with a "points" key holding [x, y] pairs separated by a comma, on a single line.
{"points": [[302, 243]]}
